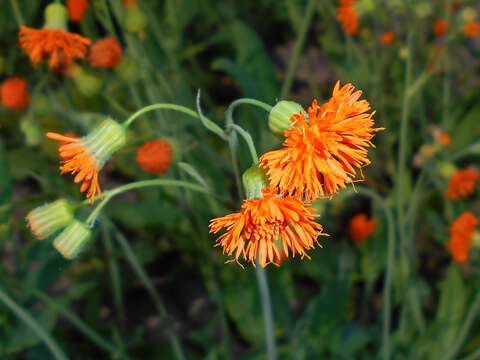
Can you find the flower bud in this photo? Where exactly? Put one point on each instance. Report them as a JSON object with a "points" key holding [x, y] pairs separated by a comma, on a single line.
{"points": [[468, 14], [32, 131], [56, 16], [86, 83], [48, 219], [71, 241], [365, 7], [279, 117], [446, 169], [135, 19], [105, 140], [128, 70], [254, 180]]}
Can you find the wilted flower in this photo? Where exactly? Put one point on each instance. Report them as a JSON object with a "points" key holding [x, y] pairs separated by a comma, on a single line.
{"points": [[14, 93], [361, 227], [461, 235], [320, 154], [105, 53], [47, 219], [86, 156], [462, 183], [348, 16], [73, 240], [155, 156], [266, 227]]}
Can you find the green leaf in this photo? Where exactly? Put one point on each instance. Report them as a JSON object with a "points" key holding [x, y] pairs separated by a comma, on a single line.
{"points": [[5, 194], [466, 130]]}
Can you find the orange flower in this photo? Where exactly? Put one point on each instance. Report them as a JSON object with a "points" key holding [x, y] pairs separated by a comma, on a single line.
{"points": [[155, 156], [105, 53], [440, 27], [14, 93], [444, 139], [76, 9], [320, 155], [348, 16], [461, 235], [60, 46], [462, 183], [361, 227], [86, 156], [471, 29], [265, 224], [387, 38], [130, 2]]}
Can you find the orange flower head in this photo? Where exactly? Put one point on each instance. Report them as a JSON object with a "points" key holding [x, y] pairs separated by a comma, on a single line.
{"points": [[462, 184], [444, 139], [105, 53], [76, 9], [155, 157], [84, 157], [461, 236], [348, 16], [440, 27], [130, 2], [321, 154], [361, 227], [265, 227], [471, 29], [53, 41], [387, 38], [14, 93]]}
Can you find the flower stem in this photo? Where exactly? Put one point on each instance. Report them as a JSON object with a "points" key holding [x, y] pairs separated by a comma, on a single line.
{"points": [[233, 105], [17, 13], [42, 333], [248, 139], [301, 36], [141, 273], [267, 310], [141, 184]]}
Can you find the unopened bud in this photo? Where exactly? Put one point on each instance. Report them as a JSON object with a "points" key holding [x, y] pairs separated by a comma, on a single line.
{"points": [[447, 169], [128, 70], [31, 130], [254, 180], [279, 117], [86, 83], [135, 19], [48, 219], [73, 240], [56, 16]]}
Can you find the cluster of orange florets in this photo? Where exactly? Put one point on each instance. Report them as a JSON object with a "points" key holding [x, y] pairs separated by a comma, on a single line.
{"points": [[322, 151]]}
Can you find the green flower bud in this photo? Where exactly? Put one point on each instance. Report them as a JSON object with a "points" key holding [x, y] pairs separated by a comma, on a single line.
{"points": [[86, 83], [40, 104], [446, 169], [254, 180], [128, 70], [56, 16], [135, 19], [48, 219], [32, 131], [104, 141], [365, 7], [71, 241], [279, 117], [468, 14]]}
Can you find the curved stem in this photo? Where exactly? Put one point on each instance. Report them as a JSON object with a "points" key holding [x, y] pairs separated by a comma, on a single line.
{"points": [[267, 311], [164, 106], [141, 184], [233, 105], [301, 36], [248, 139], [387, 287], [43, 334]]}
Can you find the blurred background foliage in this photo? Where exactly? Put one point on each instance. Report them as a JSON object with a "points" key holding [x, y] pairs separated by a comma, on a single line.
{"points": [[152, 250]]}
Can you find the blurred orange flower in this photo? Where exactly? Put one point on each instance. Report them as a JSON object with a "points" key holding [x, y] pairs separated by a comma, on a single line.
{"points": [[105, 53], [76, 9], [348, 16], [440, 27], [320, 154], [444, 139], [471, 29], [361, 227], [14, 93], [60, 46], [265, 224], [462, 183], [461, 235], [155, 156], [387, 38], [130, 2]]}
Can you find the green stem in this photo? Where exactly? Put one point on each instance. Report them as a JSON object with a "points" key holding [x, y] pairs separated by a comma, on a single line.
{"points": [[81, 326], [447, 75], [467, 325], [301, 36], [387, 286], [267, 311], [142, 275], [141, 184], [233, 105], [17, 13], [163, 106], [248, 139], [43, 334]]}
